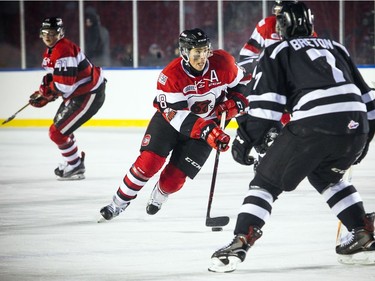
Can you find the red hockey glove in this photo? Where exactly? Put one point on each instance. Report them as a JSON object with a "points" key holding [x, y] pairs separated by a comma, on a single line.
{"points": [[45, 89], [218, 140], [212, 134], [229, 106], [235, 104], [38, 100]]}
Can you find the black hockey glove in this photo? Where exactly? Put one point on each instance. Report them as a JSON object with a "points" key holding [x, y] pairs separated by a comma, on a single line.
{"points": [[268, 140], [241, 148]]}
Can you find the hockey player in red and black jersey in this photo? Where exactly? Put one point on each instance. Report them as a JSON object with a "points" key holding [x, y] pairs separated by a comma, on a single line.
{"points": [[332, 124], [192, 93], [80, 84]]}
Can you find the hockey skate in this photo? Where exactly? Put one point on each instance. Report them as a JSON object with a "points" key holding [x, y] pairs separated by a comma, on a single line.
{"points": [[112, 210], [358, 246], [157, 199], [227, 258], [66, 172]]}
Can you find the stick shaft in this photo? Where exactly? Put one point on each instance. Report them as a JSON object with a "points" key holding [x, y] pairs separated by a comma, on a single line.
{"points": [[14, 115], [214, 174]]}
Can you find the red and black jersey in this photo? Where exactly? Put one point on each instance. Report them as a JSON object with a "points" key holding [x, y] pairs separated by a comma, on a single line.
{"points": [[183, 98], [73, 73], [263, 36]]}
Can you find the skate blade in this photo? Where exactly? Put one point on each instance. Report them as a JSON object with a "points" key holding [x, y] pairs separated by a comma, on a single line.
{"points": [[101, 220], [361, 258], [220, 267], [72, 178]]}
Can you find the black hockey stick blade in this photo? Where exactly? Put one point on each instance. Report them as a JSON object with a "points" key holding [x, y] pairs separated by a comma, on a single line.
{"points": [[217, 221], [9, 119]]}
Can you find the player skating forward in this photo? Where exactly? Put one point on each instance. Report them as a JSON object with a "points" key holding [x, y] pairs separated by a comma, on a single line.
{"points": [[192, 91], [333, 120], [80, 84]]}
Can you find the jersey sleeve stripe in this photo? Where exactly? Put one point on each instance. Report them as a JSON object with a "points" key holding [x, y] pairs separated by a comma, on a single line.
{"points": [[265, 113], [328, 109], [333, 91], [274, 97]]}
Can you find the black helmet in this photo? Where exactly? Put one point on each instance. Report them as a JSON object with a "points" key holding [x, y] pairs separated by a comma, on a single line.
{"points": [[294, 20], [278, 5], [190, 39], [53, 23]]}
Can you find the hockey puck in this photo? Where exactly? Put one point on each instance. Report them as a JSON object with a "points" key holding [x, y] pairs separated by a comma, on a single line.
{"points": [[217, 229]]}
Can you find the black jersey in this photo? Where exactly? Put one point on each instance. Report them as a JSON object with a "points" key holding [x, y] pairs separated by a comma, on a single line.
{"points": [[317, 82]]}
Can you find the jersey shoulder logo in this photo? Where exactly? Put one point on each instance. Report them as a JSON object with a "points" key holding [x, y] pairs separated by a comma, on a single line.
{"points": [[162, 78]]}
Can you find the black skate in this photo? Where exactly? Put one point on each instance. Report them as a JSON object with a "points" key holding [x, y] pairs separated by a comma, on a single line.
{"points": [[157, 199], [227, 258], [65, 172], [111, 211], [358, 246]]}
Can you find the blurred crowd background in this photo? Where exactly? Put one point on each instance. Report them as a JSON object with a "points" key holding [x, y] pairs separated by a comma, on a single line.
{"points": [[137, 33]]}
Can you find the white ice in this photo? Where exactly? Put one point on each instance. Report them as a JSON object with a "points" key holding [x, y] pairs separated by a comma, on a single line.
{"points": [[49, 229]]}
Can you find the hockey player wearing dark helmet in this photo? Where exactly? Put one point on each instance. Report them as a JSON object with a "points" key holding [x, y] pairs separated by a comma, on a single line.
{"points": [[294, 20], [190, 39], [278, 5], [81, 86], [52, 23], [330, 130], [192, 93], [51, 30], [194, 43]]}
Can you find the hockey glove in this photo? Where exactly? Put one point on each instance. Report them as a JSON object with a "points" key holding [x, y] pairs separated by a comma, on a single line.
{"points": [[45, 89], [241, 148], [267, 141], [210, 132], [38, 100], [235, 104]]}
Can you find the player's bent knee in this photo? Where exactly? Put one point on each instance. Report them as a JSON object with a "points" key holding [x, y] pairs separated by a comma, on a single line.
{"points": [[149, 163], [56, 136], [171, 179]]}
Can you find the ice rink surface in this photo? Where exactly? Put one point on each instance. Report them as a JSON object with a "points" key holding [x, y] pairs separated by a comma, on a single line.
{"points": [[49, 229]]}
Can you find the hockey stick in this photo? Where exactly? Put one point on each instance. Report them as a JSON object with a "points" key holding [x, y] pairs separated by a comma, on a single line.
{"points": [[14, 115], [215, 221]]}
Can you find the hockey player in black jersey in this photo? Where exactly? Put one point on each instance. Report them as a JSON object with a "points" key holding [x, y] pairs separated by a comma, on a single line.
{"points": [[332, 124]]}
